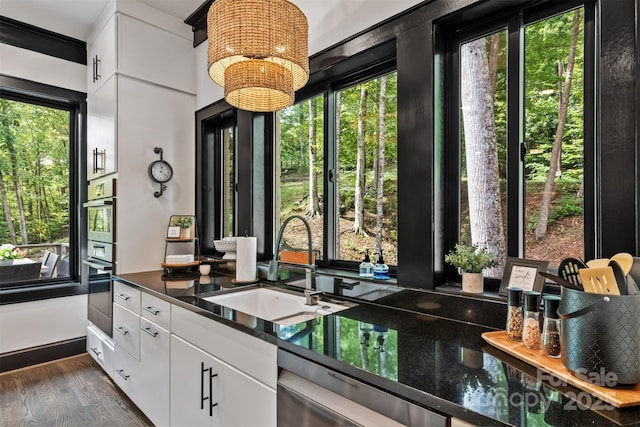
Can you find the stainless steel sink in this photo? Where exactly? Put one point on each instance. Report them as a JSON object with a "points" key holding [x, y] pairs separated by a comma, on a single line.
{"points": [[275, 306]]}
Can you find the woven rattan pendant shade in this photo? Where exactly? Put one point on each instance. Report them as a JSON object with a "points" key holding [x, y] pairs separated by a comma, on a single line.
{"points": [[258, 51]]}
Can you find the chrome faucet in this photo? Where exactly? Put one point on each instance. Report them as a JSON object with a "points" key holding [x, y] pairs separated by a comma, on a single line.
{"points": [[309, 268]]}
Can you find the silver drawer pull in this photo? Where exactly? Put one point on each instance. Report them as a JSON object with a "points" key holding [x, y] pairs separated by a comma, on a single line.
{"points": [[95, 350], [122, 330], [151, 310], [150, 332], [124, 297], [122, 374]]}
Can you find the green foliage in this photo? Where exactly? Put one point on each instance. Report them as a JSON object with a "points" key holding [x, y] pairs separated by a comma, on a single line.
{"points": [[34, 162], [182, 221], [470, 259]]}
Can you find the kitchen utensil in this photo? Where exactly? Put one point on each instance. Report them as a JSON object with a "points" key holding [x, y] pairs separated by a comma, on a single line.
{"points": [[559, 280], [625, 260], [599, 280], [598, 263], [568, 270], [621, 280]]}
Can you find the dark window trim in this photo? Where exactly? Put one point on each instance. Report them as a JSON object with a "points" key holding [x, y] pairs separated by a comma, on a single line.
{"points": [[512, 22], [75, 102], [26, 36]]}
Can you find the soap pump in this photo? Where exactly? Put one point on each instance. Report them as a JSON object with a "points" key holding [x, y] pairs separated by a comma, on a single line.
{"points": [[380, 270], [366, 266]]}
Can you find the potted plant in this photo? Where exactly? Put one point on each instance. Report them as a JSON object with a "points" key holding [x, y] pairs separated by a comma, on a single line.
{"points": [[471, 260], [184, 222], [9, 252]]}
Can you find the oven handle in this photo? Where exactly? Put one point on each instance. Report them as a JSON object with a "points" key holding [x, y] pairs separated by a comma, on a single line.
{"points": [[98, 203], [97, 266]]}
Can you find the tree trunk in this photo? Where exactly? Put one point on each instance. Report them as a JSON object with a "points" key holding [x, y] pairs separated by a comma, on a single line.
{"points": [[483, 179], [380, 164], [7, 211], [358, 224], [549, 186], [313, 210], [336, 174]]}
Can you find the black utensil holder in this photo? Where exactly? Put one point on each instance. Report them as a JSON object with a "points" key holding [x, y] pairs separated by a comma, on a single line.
{"points": [[600, 336]]}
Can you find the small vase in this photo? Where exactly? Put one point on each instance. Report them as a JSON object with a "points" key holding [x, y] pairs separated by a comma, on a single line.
{"points": [[472, 283], [185, 233]]}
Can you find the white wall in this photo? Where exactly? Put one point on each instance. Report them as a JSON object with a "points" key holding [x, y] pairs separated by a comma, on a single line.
{"points": [[36, 323], [40, 68]]}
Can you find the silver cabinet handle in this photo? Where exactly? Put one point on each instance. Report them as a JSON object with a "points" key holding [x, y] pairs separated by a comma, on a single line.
{"points": [[124, 297], [151, 310], [122, 330], [95, 351], [122, 374], [150, 332]]}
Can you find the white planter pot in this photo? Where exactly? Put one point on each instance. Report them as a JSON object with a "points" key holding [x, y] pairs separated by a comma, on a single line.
{"points": [[472, 283]]}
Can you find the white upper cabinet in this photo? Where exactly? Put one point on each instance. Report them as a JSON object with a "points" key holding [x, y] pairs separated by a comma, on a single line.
{"points": [[154, 55], [101, 57], [140, 50]]}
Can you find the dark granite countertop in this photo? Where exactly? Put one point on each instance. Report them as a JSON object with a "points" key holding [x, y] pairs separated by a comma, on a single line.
{"points": [[423, 346]]}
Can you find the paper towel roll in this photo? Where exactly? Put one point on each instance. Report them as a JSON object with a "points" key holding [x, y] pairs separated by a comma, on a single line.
{"points": [[246, 259]]}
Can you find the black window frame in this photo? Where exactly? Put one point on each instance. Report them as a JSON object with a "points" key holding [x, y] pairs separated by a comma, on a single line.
{"points": [[21, 90], [514, 22]]}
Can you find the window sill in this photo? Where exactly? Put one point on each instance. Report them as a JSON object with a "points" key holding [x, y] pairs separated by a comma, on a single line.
{"points": [[41, 292]]}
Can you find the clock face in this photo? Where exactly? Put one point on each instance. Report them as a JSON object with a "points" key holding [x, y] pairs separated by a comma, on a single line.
{"points": [[160, 171]]}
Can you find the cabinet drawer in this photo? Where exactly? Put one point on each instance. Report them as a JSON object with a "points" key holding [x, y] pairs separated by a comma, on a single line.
{"points": [[126, 375], [126, 330], [156, 310], [126, 296], [154, 372], [101, 349]]}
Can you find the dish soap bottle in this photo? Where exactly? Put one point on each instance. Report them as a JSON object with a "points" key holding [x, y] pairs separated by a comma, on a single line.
{"points": [[366, 266], [380, 270]]}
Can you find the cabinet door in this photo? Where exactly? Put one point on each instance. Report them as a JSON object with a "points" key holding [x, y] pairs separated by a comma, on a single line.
{"points": [[101, 56], [192, 386], [154, 372], [199, 380], [101, 130]]}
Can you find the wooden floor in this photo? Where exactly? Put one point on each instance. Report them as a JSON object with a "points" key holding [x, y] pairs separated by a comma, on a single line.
{"points": [[73, 391]]}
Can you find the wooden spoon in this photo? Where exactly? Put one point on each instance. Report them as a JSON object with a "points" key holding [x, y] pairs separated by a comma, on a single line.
{"points": [[625, 260], [598, 263]]}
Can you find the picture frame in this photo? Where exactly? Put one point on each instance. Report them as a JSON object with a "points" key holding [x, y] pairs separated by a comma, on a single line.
{"points": [[523, 273], [173, 232]]}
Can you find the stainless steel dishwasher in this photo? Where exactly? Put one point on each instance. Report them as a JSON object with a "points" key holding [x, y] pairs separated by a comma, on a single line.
{"points": [[312, 395]]}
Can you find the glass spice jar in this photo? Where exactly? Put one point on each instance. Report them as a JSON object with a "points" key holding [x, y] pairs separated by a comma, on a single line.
{"points": [[551, 326], [514, 314], [531, 322]]}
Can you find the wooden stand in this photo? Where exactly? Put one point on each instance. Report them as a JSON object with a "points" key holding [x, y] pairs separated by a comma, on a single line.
{"points": [[618, 397]]}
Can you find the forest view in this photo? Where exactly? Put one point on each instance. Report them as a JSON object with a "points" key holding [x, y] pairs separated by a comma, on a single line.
{"points": [[34, 177], [365, 154]]}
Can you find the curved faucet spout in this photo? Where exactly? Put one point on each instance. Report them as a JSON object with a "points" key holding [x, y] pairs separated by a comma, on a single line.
{"points": [[273, 265]]}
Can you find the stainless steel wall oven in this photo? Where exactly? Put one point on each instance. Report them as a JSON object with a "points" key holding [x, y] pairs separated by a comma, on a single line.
{"points": [[100, 261]]}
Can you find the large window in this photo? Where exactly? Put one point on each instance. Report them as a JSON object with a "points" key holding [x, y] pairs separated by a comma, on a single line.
{"points": [[519, 121], [346, 186], [36, 190]]}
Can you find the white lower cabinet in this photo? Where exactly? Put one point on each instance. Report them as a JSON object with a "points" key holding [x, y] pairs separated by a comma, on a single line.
{"points": [[206, 391], [154, 372], [100, 347]]}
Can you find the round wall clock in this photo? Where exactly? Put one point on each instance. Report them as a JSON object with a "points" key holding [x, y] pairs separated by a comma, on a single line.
{"points": [[160, 171]]}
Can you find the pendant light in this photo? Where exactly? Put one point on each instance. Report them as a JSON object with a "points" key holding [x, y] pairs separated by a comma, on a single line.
{"points": [[258, 52]]}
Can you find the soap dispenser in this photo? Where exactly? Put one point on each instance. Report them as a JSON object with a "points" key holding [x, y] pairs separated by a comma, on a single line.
{"points": [[366, 266], [380, 270]]}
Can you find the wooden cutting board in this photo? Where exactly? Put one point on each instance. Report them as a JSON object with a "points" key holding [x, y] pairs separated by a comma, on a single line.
{"points": [[618, 397]]}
